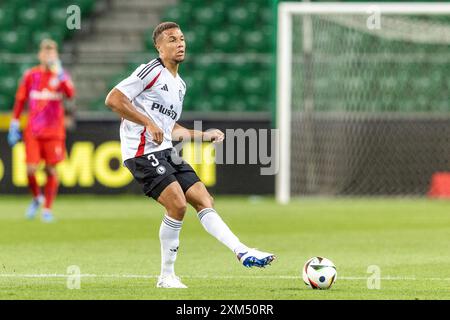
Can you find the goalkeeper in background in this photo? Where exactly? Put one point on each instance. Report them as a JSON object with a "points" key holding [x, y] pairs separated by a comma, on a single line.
{"points": [[43, 87]]}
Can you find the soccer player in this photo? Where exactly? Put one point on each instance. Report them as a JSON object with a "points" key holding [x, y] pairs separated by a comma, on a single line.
{"points": [[150, 103], [43, 87]]}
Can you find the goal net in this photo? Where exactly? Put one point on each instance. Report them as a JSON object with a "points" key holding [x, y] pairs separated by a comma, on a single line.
{"points": [[363, 96]]}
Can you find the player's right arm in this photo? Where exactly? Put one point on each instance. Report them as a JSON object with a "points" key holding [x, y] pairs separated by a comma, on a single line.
{"points": [[119, 103], [21, 98], [119, 99]]}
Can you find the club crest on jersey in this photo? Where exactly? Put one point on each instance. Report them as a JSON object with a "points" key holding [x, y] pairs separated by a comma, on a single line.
{"points": [[168, 112], [161, 170]]}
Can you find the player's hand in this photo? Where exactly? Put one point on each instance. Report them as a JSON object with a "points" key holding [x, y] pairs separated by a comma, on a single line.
{"points": [[56, 68], [156, 133], [14, 135], [213, 135]]}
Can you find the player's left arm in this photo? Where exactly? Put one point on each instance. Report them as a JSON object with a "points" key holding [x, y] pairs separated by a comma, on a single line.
{"points": [[68, 89], [66, 83], [180, 133], [67, 86]]}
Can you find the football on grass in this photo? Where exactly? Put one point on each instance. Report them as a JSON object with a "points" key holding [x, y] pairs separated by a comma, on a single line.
{"points": [[319, 273]]}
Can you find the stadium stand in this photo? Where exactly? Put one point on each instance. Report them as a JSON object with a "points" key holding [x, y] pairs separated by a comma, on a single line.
{"points": [[105, 54], [230, 50], [232, 40]]}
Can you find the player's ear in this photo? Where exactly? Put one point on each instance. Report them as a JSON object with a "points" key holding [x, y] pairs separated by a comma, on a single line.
{"points": [[158, 45]]}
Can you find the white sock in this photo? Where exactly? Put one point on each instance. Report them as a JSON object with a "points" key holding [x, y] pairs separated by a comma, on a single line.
{"points": [[215, 226], [169, 235]]}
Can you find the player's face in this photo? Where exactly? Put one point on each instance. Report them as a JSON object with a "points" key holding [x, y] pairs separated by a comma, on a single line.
{"points": [[47, 55], [171, 45]]}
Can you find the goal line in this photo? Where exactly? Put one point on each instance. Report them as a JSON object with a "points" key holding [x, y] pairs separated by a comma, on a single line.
{"points": [[143, 276]]}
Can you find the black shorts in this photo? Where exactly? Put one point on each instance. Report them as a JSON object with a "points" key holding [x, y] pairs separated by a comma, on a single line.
{"points": [[156, 170]]}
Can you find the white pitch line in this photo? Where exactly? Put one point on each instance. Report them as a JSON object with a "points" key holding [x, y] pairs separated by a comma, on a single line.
{"points": [[141, 276]]}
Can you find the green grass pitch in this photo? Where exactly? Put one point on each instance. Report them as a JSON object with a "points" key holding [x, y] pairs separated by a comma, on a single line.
{"points": [[114, 242]]}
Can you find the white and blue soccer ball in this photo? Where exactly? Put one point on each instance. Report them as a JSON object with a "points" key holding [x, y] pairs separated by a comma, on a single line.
{"points": [[319, 273]]}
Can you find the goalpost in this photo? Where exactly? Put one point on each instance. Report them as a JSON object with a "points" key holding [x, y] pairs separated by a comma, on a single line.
{"points": [[354, 80]]}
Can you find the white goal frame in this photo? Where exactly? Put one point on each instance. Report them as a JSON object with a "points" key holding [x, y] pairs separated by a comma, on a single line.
{"points": [[284, 61]]}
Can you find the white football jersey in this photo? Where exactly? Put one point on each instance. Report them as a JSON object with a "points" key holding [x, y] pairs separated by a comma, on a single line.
{"points": [[157, 94]]}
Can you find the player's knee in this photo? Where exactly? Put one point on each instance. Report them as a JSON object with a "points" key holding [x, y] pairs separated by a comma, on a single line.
{"points": [[31, 170], [178, 208], [50, 170]]}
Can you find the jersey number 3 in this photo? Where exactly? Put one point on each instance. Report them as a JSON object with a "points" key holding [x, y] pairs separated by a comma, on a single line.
{"points": [[154, 162]]}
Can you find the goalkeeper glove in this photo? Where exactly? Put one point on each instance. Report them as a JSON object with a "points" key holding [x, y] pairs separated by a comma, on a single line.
{"points": [[56, 68], [14, 133]]}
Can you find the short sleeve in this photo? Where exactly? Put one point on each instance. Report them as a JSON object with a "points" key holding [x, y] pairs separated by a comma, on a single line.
{"points": [[140, 79]]}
